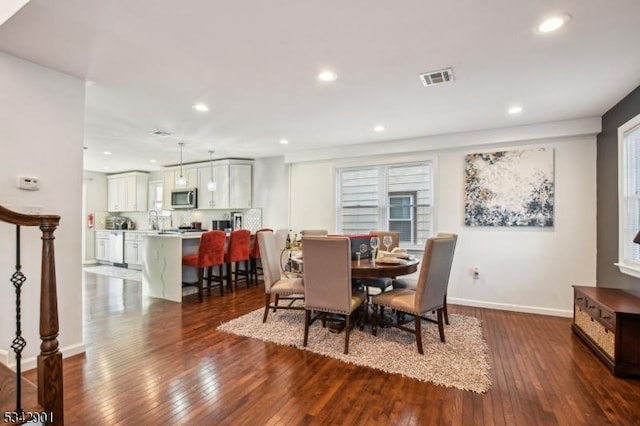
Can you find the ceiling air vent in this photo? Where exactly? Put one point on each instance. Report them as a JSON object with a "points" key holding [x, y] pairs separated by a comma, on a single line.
{"points": [[437, 77], [160, 133]]}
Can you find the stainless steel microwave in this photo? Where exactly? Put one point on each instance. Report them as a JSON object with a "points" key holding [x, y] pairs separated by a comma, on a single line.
{"points": [[184, 198]]}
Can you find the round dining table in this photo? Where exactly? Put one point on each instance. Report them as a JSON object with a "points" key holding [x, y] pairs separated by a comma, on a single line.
{"points": [[365, 268]]}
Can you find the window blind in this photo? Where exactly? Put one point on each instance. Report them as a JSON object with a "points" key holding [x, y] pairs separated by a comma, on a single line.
{"points": [[396, 197]]}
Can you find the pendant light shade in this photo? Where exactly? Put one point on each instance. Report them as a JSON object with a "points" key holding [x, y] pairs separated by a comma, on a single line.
{"points": [[211, 186], [181, 181]]}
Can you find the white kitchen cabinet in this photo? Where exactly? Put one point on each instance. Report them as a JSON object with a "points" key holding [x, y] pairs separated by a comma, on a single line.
{"points": [[168, 183], [102, 246], [240, 186], [127, 192], [190, 175], [219, 197], [233, 186], [133, 249]]}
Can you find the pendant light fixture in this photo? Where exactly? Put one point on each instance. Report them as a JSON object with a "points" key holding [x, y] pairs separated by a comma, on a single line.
{"points": [[211, 186], [181, 181]]}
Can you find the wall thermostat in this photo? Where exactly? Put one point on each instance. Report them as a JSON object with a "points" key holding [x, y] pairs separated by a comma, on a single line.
{"points": [[28, 183]]}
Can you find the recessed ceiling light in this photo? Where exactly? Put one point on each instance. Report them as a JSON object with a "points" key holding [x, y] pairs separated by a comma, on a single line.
{"points": [[515, 110], [106, 167], [107, 152], [553, 23], [200, 107], [284, 141], [152, 161], [327, 76], [379, 128]]}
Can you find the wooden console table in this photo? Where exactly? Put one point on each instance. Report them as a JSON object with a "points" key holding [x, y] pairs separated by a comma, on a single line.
{"points": [[608, 320]]}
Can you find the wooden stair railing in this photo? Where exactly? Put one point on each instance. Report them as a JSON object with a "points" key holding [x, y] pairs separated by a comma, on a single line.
{"points": [[49, 362]]}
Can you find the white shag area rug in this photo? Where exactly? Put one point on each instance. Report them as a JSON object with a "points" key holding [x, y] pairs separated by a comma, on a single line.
{"points": [[462, 362], [114, 271]]}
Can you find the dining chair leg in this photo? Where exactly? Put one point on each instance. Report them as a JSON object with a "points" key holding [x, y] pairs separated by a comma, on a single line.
{"points": [[347, 330], [374, 321], [418, 322], [200, 283], [275, 303], [229, 283], [441, 325], [267, 302], [307, 319], [446, 314], [221, 278]]}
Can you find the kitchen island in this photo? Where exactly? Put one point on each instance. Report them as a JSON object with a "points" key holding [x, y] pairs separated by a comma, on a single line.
{"points": [[162, 272]]}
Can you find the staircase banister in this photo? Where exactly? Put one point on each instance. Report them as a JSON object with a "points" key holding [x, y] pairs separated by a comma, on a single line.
{"points": [[16, 218]]}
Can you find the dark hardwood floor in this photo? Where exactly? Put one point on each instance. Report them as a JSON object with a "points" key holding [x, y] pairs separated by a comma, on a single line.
{"points": [[150, 361]]}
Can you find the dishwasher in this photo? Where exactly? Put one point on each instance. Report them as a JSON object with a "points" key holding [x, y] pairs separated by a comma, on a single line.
{"points": [[116, 247]]}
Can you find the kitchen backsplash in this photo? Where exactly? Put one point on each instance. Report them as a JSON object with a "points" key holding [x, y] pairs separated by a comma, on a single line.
{"points": [[252, 218]]}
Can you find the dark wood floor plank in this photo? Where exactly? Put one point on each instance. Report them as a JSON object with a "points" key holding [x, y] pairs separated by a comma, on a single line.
{"points": [[150, 361]]}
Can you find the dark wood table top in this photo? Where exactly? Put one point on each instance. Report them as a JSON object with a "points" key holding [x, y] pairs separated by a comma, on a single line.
{"points": [[366, 269]]}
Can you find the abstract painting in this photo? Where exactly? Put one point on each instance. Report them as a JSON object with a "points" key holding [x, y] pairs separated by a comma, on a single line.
{"points": [[509, 188]]}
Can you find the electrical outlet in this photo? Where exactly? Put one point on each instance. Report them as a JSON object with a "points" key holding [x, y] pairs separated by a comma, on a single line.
{"points": [[476, 273], [32, 209]]}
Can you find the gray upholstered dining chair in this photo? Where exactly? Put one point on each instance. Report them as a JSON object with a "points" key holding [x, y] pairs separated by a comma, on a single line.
{"points": [[275, 285], [429, 293], [412, 283], [327, 278]]}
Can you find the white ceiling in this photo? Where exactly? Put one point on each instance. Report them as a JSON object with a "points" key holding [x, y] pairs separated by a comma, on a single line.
{"points": [[255, 64]]}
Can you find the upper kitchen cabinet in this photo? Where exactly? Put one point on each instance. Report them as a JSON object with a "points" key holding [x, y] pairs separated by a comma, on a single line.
{"points": [[216, 197], [127, 192], [232, 185], [240, 186]]}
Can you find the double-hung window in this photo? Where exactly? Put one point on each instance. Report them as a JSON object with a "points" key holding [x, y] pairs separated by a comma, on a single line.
{"points": [[629, 196], [393, 197]]}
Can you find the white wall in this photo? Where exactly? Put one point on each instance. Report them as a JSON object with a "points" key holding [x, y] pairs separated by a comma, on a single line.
{"points": [[95, 200], [41, 132], [271, 191], [528, 270]]}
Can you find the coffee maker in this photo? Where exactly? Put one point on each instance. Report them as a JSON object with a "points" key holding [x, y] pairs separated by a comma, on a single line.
{"points": [[236, 220]]}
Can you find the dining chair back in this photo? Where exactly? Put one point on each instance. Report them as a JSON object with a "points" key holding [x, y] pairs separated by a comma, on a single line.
{"points": [[413, 283], [314, 233], [430, 291], [238, 253], [210, 254], [434, 274], [255, 261], [276, 286], [327, 281]]}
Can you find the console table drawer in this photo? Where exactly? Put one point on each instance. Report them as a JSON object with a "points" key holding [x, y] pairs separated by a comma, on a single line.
{"points": [[601, 336], [608, 318]]}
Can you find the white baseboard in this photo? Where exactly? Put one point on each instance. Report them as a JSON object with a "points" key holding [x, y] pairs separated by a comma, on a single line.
{"points": [[510, 307], [31, 362]]}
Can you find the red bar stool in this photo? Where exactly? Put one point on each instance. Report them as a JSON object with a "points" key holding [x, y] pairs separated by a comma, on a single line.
{"points": [[254, 254], [237, 252], [210, 254]]}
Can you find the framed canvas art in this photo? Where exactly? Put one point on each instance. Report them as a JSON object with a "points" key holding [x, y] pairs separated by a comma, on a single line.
{"points": [[509, 188]]}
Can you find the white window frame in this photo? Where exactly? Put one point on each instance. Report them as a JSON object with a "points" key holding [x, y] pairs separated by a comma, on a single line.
{"points": [[411, 217], [626, 263], [383, 217]]}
